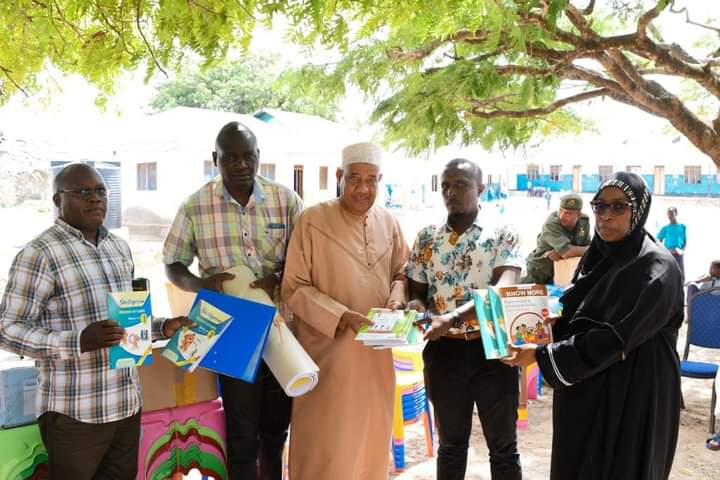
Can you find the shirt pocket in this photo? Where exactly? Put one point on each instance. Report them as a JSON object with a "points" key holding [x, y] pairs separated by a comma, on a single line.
{"points": [[273, 242]]}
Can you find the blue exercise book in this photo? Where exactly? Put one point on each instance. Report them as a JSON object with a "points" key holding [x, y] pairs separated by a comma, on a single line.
{"points": [[242, 330]]}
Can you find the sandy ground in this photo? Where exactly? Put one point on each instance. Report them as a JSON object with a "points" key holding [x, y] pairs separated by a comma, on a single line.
{"points": [[692, 459]]}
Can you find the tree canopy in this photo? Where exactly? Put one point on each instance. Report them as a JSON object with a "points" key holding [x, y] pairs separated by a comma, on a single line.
{"points": [[489, 71], [243, 86]]}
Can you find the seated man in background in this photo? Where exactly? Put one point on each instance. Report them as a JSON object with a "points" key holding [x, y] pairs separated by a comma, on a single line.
{"points": [[565, 234], [706, 282]]}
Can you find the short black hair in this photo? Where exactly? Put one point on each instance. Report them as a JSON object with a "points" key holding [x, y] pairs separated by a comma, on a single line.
{"points": [[672, 209], [465, 164], [235, 128], [715, 263], [61, 179]]}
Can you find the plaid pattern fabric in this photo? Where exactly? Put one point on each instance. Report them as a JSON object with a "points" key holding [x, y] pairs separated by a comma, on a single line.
{"points": [[58, 285], [214, 227]]}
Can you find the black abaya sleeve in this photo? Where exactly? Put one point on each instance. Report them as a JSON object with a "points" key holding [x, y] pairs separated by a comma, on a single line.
{"points": [[597, 345]]}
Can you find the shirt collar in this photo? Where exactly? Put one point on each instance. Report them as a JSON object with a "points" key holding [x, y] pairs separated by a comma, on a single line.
{"points": [[476, 224], [66, 227], [258, 193]]}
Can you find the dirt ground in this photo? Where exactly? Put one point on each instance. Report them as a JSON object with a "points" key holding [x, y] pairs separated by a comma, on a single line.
{"points": [[692, 459]]}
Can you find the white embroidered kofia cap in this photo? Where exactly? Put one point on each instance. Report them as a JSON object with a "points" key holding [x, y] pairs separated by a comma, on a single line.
{"points": [[363, 152]]}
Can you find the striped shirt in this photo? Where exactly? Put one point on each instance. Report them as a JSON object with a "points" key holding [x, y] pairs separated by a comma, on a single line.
{"points": [[221, 233], [58, 285]]}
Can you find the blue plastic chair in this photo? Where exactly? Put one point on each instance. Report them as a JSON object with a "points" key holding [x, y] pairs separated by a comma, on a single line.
{"points": [[703, 331]]}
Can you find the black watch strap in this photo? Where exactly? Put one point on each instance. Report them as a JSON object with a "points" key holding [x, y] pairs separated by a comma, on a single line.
{"points": [[456, 320]]}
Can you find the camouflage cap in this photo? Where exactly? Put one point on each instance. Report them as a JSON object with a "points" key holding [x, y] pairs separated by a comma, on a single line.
{"points": [[571, 201]]}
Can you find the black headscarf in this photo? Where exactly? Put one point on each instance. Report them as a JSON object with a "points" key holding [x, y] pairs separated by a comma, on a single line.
{"points": [[601, 255]]}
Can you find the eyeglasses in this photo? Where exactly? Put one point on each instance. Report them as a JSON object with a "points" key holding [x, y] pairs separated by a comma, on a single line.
{"points": [[85, 193], [616, 208]]}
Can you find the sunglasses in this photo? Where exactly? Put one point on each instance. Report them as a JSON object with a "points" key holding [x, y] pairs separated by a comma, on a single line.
{"points": [[616, 208], [85, 193]]}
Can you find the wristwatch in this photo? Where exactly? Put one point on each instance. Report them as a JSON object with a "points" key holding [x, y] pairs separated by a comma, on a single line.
{"points": [[456, 321]]}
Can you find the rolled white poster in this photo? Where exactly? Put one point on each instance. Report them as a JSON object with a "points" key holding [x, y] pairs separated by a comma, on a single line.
{"points": [[293, 368]]}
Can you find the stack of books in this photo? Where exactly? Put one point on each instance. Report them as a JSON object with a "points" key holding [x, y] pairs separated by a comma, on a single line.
{"points": [[390, 328], [514, 314]]}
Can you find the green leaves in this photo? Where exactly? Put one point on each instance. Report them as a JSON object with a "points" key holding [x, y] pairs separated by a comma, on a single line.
{"points": [[244, 86], [472, 71]]}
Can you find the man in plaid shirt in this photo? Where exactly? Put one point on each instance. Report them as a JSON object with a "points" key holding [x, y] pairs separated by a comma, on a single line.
{"points": [[55, 310], [239, 218]]}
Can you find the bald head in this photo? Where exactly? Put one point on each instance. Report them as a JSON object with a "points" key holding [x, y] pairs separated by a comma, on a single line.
{"points": [[467, 167], [67, 176], [237, 157], [234, 130]]}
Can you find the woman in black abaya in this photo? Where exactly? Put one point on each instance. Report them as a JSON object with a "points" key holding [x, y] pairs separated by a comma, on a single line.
{"points": [[613, 365]]}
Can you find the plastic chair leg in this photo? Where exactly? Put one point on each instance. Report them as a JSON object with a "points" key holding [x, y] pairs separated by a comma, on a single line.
{"points": [[713, 401], [539, 383]]}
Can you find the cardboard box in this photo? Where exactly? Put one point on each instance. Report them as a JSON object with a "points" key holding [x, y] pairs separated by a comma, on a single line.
{"points": [[18, 384], [564, 270], [166, 386]]}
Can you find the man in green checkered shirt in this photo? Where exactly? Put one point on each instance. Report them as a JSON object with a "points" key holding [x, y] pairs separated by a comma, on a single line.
{"points": [[239, 218]]}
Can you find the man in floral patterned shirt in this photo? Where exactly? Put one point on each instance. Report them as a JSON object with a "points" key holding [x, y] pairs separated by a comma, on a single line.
{"points": [[447, 262]]}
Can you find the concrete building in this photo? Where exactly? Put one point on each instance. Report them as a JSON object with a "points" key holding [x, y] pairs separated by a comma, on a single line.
{"points": [[168, 155]]}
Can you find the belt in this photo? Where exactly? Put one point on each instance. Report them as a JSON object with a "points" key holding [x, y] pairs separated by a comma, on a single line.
{"points": [[463, 336]]}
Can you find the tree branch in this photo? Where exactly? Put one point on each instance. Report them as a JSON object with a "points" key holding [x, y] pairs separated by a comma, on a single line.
{"points": [[557, 32], [649, 16], [535, 112], [589, 9], [112, 27], [468, 36], [524, 70], [691, 22], [579, 21], [244, 8], [398, 54], [629, 87], [69, 24], [7, 72], [465, 36], [147, 44], [576, 72], [663, 57]]}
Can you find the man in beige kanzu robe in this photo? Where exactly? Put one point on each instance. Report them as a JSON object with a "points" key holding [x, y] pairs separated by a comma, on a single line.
{"points": [[345, 257]]}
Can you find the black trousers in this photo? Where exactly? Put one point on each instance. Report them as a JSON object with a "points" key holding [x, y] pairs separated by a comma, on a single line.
{"points": [[458, 377], [257, 416], [90, 451]]}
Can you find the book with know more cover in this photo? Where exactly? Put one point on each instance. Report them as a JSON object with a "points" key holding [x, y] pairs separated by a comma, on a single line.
{"points": [[513, 314]]}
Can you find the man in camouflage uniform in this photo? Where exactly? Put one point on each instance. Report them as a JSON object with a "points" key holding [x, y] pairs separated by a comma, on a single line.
{"points": [[565, 234]]}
